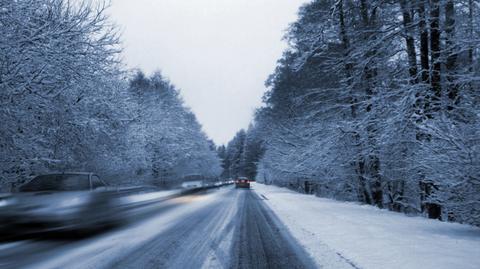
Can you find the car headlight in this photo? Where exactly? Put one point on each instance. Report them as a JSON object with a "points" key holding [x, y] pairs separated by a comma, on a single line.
{"points": [[72, 202], [5, 202]]}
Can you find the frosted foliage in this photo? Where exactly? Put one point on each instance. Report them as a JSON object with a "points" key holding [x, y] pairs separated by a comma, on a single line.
{"points": [[67, 104], [364, 107]]}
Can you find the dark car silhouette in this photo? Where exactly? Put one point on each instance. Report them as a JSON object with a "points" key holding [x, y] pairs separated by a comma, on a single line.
{"points": [[62, 201]]}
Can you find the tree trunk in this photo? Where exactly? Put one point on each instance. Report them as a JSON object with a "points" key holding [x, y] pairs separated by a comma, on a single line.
{"points": [[424, 39], [344, 38], [436, 78], [410, 42], [471, 32], [364, 12], [451, 51], [364, 190], [377, 188], [370, 69], [346, 48], [369, 25]]}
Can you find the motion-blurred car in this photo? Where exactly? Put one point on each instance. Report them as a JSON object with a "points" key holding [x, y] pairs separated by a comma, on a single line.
{"points": [[242, 182], [60, 202], [195, 184]]}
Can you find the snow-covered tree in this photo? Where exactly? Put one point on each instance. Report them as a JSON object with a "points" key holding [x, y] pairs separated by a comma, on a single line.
{"points": [[377, 102], [67, 104]]}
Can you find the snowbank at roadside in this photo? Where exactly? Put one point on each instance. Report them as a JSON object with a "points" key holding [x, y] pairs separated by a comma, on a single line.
{"points": [[340, 234]]}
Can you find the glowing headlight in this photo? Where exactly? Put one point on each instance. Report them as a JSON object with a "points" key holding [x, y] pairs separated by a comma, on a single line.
{"points": [[72, 202], [5, 202]]}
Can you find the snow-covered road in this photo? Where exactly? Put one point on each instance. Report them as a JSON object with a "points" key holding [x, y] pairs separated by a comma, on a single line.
{"points": [[224, 228], [266, 227]]}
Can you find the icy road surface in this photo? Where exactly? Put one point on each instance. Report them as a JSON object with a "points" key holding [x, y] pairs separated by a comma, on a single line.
{"points": [[224, 228]]}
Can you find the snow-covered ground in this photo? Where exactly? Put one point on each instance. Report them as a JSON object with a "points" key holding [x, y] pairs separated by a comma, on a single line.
{"points": [[349, 235]]}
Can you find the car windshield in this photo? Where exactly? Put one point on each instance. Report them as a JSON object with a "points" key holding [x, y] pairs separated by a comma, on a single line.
{"points": [[60, 182]]}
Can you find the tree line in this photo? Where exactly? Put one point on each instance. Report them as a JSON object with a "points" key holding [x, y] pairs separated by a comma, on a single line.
{"points": [[378, 102], [241, 155], [67, 103]]}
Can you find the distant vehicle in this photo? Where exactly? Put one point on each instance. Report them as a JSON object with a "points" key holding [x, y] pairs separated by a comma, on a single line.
{"points": [[196, 181], [193, 184], [60, 202], [242, 182]]}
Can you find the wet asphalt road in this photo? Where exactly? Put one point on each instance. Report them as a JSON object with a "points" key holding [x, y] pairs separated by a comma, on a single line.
{"points": [[261, 240], [225, 228]]}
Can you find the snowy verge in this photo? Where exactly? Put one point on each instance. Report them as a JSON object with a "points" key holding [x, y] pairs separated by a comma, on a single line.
{"points": [[339, 234]]}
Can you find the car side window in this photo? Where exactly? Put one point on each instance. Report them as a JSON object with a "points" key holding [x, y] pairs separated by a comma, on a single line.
{"points": [[96, 182], [73, 182]]}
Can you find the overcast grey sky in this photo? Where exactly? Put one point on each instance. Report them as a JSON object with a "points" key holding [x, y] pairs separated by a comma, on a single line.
{"points": [[218, 52]]}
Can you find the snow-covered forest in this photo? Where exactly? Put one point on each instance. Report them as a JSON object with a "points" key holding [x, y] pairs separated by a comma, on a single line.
{"points": [[373, 101], [67, 102], [376, 102]]}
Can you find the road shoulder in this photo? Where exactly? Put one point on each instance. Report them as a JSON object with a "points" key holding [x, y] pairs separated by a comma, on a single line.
{"points": [[349, 235]]}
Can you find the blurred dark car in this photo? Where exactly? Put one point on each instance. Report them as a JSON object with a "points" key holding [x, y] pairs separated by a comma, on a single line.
{"points": [[60, 202], [242, 182]]}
